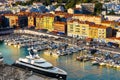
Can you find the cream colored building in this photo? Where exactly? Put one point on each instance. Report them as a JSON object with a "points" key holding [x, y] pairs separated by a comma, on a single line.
{"points": [[118, 34], [77, 28]]}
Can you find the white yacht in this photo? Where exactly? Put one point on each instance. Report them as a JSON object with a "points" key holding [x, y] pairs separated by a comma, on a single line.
{"points": [[39, 65], [1, 57]]}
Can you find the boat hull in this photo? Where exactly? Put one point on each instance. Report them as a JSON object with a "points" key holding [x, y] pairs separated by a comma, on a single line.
{"points": [[1, 59], [49, 74]]}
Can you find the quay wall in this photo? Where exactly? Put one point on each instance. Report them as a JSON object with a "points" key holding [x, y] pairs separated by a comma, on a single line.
{"points": [[33, 33]]}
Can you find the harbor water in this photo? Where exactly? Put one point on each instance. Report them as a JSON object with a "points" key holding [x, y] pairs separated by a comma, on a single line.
{"points": [[76, 70]]}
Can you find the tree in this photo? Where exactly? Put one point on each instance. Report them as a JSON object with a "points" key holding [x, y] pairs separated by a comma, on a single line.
{"points": [[70, 4], [98, 8], [59, 1], [87, 1], [47, 2]]}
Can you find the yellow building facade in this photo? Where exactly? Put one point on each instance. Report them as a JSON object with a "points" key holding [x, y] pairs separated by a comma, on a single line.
{"points": [[39, 22], [45, 21], [93, 31], [31, 21], [73, 28], [88, 30], [84, 29], [104, 32], [60, 27], [13, 19], [77, 28], [111, 24]]}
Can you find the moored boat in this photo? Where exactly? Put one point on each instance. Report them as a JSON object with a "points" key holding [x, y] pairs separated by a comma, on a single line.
{"points": [[36, 64], [102, 63], [95, 63]]}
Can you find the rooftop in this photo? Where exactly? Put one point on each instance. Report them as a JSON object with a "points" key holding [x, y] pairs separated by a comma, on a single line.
{"points": [[58, 22], [108, 22]]}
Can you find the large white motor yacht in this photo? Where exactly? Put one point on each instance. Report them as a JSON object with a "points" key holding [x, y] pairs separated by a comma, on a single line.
{"points": [[37, 64]]}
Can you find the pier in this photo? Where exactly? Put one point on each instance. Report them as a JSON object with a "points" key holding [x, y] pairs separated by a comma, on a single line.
{"points": [[53, 37]]}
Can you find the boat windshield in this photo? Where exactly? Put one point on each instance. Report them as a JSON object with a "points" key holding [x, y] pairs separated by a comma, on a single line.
{"points": [[39, 62]]}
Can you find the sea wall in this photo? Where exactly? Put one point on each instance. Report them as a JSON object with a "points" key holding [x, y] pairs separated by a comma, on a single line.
{"points": [[33, 33]]}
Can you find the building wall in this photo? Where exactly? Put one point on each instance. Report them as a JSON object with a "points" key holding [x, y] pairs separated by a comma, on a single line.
{"points": [[45, 21], [108, 32], [4, 22], [104, 32], [70, 29], [93, 32], [31, 21], [84, 30], [38, 23], [60, 27], [118, 34], [108, 25], [48, 22], [77, 29], [88, 30], [101, 33], [13, 20], [50, 25]]}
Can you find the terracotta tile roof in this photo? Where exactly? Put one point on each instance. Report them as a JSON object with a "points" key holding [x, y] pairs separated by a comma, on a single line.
{"points": [[87, 15], [108, 22], [64, 14], [114, 38], [10, 14], [81, 22]]}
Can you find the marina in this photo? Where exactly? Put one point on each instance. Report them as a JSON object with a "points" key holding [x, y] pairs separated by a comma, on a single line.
{"points": [[59, 39], [80, 70]]}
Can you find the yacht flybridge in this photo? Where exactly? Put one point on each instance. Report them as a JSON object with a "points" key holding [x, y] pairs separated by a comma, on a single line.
{"points": [[36, 64]]}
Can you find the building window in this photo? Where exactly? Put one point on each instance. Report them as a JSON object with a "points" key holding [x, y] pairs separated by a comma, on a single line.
{"points": [[77, 26], [71, 30], [83, 27], [12, 21]]}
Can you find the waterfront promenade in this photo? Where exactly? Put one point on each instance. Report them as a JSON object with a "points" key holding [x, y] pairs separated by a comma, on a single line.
{"points": [[66, 62], [73, 43], [66, 40]]}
